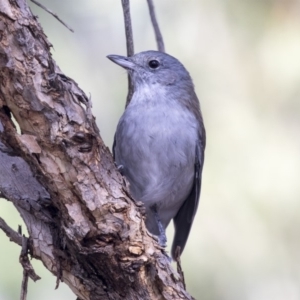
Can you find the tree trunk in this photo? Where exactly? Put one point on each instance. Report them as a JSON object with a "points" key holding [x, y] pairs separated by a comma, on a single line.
{"points": [[82, 223]]}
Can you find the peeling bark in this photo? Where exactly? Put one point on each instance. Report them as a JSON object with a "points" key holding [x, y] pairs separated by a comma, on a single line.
{"points": [[60, 176]]}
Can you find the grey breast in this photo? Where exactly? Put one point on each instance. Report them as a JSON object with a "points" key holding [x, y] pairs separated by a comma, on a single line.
{"points": [[156, 147]]}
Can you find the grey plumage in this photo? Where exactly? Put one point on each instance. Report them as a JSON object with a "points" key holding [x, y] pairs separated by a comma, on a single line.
{"points": [[160, 141]]}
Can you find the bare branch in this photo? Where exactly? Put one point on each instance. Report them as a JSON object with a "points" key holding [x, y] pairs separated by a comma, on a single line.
{"points": [[28, 270], [129, 42], [53, 14], [128, 27], [13, 235], [24, 260], [158, 35], [24, 286]]}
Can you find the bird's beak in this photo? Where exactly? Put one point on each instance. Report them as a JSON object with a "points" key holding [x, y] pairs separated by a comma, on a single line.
{"points": [[122, 61]]}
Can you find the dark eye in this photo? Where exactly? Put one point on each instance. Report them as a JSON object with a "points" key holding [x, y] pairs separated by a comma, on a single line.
{"points": [[153, 64]]}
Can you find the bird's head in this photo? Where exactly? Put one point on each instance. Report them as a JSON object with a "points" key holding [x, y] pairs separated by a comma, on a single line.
{"points": [[154, 68]]}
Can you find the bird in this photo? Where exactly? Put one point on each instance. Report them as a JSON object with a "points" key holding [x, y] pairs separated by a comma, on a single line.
{"points": [[159, 143]]}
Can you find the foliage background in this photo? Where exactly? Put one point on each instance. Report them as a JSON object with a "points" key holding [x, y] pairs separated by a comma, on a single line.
{"points": [[244, 57]]}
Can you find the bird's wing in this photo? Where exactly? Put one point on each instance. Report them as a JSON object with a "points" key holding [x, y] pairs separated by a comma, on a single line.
{"points": [[184, 219]]}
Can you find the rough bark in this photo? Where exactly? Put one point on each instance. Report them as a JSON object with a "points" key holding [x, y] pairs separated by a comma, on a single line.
{"points": [[82, 223]]}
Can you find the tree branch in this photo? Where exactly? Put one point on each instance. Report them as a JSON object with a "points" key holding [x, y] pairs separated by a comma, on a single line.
{"points": [[52, 14], [10, 233], [60, 176], [128, 27], [24, 286], [158, 35], [28, 270], [129, 43]]}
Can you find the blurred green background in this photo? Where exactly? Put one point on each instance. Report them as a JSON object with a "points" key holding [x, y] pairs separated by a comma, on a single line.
{"points": [[244, 57]]}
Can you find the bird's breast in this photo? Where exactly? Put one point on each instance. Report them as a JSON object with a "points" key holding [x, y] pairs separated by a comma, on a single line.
{"points": [[156, 147]]}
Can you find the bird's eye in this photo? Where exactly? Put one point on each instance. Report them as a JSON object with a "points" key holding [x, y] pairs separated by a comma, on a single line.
{"points": [[153, 64]]}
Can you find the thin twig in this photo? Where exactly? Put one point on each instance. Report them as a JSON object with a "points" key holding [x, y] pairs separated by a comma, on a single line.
{"points": [[24, 286], [28, 270], [25, 262], [158, 35], [128, 27], [129, 43], [52, 13], [13, 235], [23, 258]]}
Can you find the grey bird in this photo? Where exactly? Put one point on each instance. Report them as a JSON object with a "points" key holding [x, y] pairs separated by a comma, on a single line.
{"points": [[160, 141]]}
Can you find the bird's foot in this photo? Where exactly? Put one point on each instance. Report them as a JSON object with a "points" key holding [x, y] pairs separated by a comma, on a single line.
{"points": [[162, 239], [161, 242]]}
